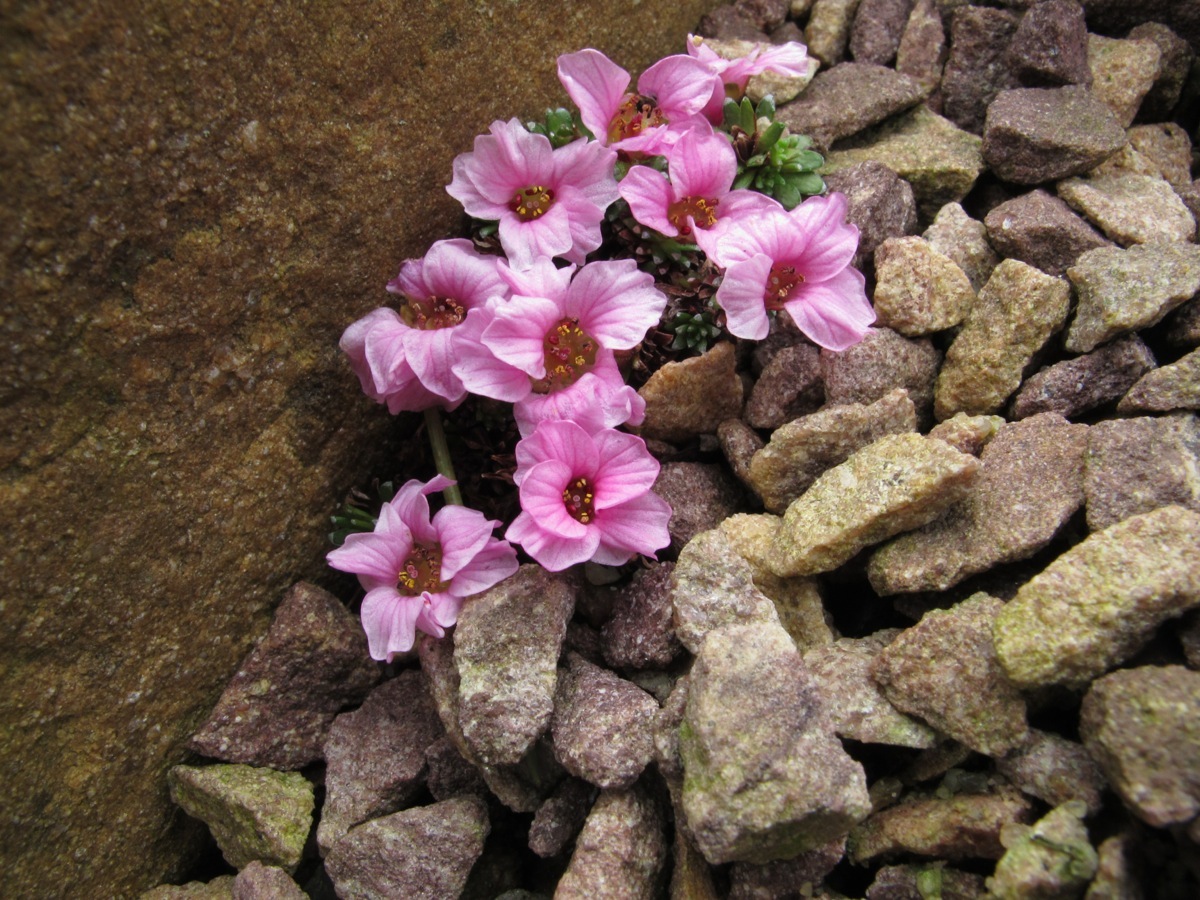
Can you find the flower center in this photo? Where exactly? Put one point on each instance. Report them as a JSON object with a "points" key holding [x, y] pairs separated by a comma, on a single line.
{"points": [[702, 210], [570, 352], [780, 283], [422, 571], [635, 114], [432, 313], [531, 202], [578, 498]]}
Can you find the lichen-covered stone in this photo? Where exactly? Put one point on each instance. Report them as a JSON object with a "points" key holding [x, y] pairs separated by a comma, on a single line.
{"points": [[1040, 229], [1075, 386], [922, 51], [1173, 386], [1143, 727], [964, 240], [220, 888], [1029, 485], [828, 30], [253, 813], [1130, 208], [1117, 875], [800, 451], [898, 483], [1049, 859], [448, 773], [1125, 290], [1101, 600], [764, 775], [918, 290], [878, 202], [621, 850], [912, 881], [424, 853], [1168, 146], [692, 397], [1055, 770], [1014, 316], [1123, 71], [969, 434]]}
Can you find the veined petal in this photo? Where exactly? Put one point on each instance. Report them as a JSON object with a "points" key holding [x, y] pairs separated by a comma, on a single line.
{"points": [[553, 552], [596, 85], [741, 295], [680, 84], [541, 495], [412, 507], [452, 268], [518, 330], [648, 193], [702, 164], [491, 565], [389, 620], [462, 533], [370, 556], [586, 166], [735, 207], [627, 469], [638, 525], [480, 371], [563, 442], [430, 356], [615, 302], [830, 242], [468, 186], [549, 235], [542, 279], [583, 224], [835, 313]]}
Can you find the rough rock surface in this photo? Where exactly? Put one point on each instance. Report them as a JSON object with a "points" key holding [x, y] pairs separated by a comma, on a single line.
{"points": [[701, 496], [1123, 71], [964, 240], [878, 202], [788, 386], [1055, 770], [640, 634], [692, 397], [1076, 386], [1174, 386], [918, 290], [1130, 208], [259, 882], [748, 881], [1040, 229], [220, 888], [1101, 600], [879, 364], [559, 819], [1050, 858], [1050, 46], [977, 67]]}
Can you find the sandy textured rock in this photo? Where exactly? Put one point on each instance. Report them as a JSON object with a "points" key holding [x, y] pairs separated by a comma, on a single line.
{"points": [[558, 820], [918, 290], [1174, 65], [977, 67], [879, 364], [969, 434], [964, 240], [621, 850], [1168, 146], [1014, 316], [828, 29], [922, 50], [1117, 875], [1143, 727], [1130, 208], [898, 483], [220, 888], [748, 881], [259, 882], [640, 634], [906, 882], [692, 397], [1055, 770], [1075, 386], [701, 496], [1050, 858], [789, 386], [1101, 600], [1173, 386], [878, 25], [1040, 229], [878, 202], [1123, 71], [1050, 47]]}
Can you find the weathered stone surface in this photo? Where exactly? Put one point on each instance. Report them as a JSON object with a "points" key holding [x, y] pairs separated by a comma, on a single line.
{"points": [[602, 725], [506, 648], [692, 397], [878, 202], [922, 51], [1123, 71], [944, 671], [828, 30], [1183, 325], [1174, 64], [448, 773], [424, 853], [253, 813], [799, 452], [1041, 134], [970, 434], [1029, 485], [739, 442], [881, 362], [640, 634], [788, 387], [764, 775], [1040, 229], [1125, 290], [1130, 208], [1137, 465], [621, 850], [977, 68], [1143, 727], [728, 23], [918, 290], [220, 888], [966, 826], [938, 159], [691, 875], [176, 279], [895, 484], [1174, 386], [1101, 600], [1117, 877], [701, 495], [964, 240], [748, 881], [1055, 770], [559, 819], [878, 26], [275, 711], [1050, 858], [375, 755], [847, 98], [1050, 47], [1014, 316], [1075, 386], [857, 705], [259, 882], [1168, 147], [905, 882]]}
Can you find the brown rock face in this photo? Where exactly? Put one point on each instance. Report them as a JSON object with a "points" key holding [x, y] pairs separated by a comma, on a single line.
{"points": [[198, 200]]}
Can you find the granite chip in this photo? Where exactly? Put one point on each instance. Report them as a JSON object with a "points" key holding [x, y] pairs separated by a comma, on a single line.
{"points": [[689, 398], [1076, 386], [879, 203], [1170, 387], [621, 850], [1130, 208], [917, 289], [964, 240], [1123, 71], [1040, 229]]}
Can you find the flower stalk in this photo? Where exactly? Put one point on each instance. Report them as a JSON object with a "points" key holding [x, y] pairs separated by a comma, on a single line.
{"points": [[441, 455]]}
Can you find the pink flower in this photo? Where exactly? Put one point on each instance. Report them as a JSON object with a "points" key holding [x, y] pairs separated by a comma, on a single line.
{"points": [[375, 346], [696, 202], [670, 96], [731, 75], [559, 325], [417, 571], [548, 202], [587, 497], [798, 261]]}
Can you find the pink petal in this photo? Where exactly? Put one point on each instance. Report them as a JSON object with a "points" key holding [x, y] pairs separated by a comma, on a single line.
{"points": [[370, 556], [462, 534], [383, 348], [830, 243], [596, 84], [615, 302], [586, 166], [438, 612], [638, 525], [593, 402], [560, 441], [480, 371], [517, 333], [431, 358], [549, 235], [542, 279], [648, 193], [627, 470], [583, 224], [702, 165], [491, 565], [834, 314], [735, 207], [541, 495], [453, 269], [389, 620], [354, 344], [468, 186], [741, 296], [553, 552], [410, 507], [680, 85]]}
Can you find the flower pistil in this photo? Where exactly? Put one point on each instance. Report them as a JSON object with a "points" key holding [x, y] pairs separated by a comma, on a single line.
{"points": [[578, 499], [635, 114], [702, 210], [422, 571], [569, 353], [780, 283], [432, 313], [531, 202]]}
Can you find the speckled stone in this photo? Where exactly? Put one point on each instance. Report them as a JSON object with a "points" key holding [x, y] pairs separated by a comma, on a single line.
{"points": [[964, 240], [1117, 875], [1040, 229], [424, 853], [879, 364], [800, 451], [788, 387], [1126, 290], [1014, 316], [878, 202], [1174, 386], [253, 813], [621, 850], [1075, 386], [1174, 66], [1130, 208], [701, 496], [1123, 71], [969, 434], [1183, 325], [640, 634], [1050, 858], [1143, 727], [765, 777], [1050, 47], [1054, 770], [895, 484], [917, 290], [748, 881], [1137, 465], [977, 68], [1034, 135], [922, 51], [739, 442], [906, 882], [856, 703], [220, 888], [448, 773], [878, 26], [692, 397], [259, 882], [828, 30], [559, 819], [1168, 146], [1099, 602]]}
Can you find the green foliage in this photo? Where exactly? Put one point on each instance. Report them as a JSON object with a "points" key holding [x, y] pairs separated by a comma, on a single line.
{"points": [[693, 331], [560, 126], [356, 513], [771, 159]]}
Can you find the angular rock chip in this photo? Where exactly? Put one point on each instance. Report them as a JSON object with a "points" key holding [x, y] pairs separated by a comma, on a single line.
{"points": [[922, 51], [1055, 770], [1176, 62], [1050, 858], [1050, 47], [877, 365], [259, 882], [220, 888], [1174, 386], [621, 850], [977, 67], [1143, 727], [640, 634], [1014, 316], [828, 29], [785, 877], [917, 290], [789, 386], [1117, 875], [1029, 486], [1034, 135], [506, 649], [375, 755], [799, 452], [1168, 146], [1123, 71], [739, 442], [1125, 290], [1099, 602], [765, 777], [1040, 229], [253, 813], [898, 483], [1075, 386], [964, 240], [559, 819], [1137, 465], [878, 202], [1130, 208], [448, 773], [970, 434], [692, 397], [275, 711], [878, 25], [702, 495], [424, 853], [906, 882]]}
